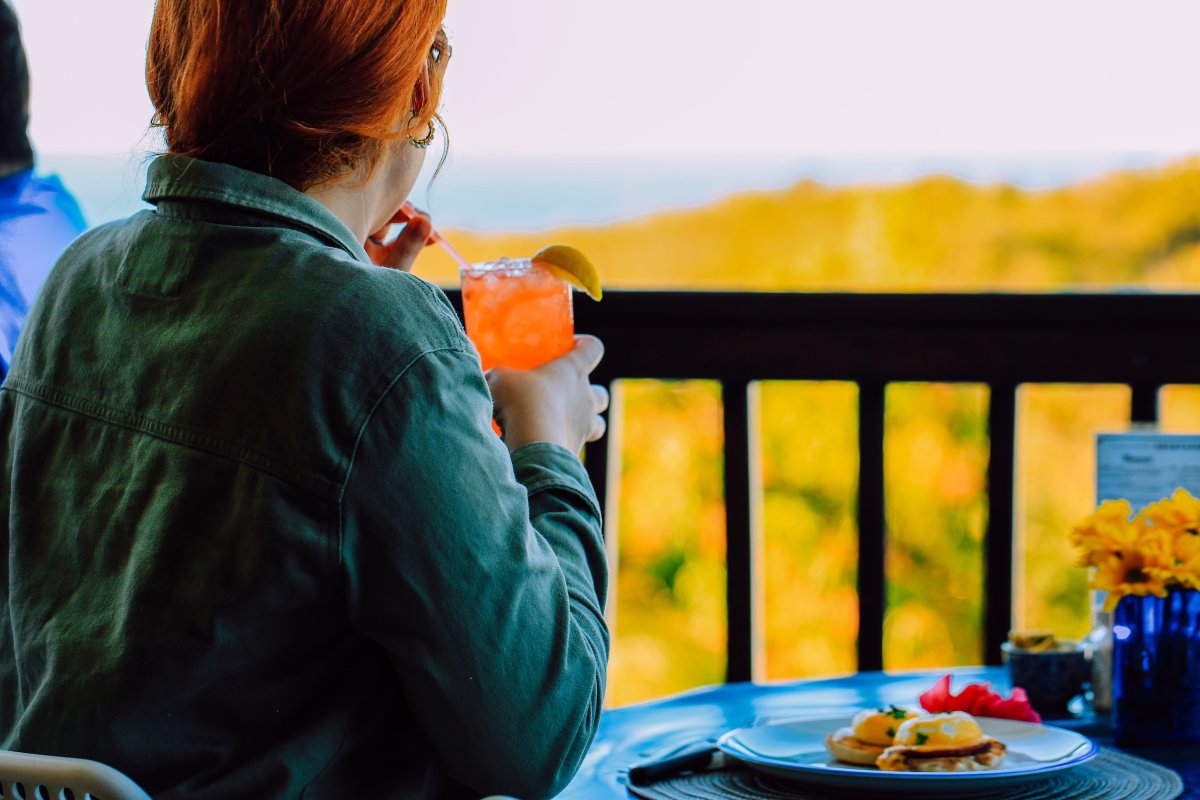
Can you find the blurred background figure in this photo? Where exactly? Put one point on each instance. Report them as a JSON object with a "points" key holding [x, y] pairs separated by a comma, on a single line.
{"points": [[38, 216]]}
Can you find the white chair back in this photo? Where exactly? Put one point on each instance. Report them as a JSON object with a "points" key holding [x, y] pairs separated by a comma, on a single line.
{"points": [[24, 776]]}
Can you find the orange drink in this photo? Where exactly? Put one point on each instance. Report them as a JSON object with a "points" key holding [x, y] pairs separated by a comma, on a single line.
{"points": [[518, 313]]}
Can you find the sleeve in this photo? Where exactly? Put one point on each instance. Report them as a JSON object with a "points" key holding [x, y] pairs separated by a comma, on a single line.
{"points": [[482, 575]]}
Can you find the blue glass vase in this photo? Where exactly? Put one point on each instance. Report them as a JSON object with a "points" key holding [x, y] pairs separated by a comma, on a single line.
{"points": [[1156, 670]]}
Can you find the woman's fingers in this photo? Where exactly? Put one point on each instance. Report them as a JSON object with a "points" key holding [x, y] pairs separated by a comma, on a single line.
{"points": [[599, 399], [553, 403], [401, 252], [588, 353], [376, 251], [599, 427], [599, 406], [408, 212]]}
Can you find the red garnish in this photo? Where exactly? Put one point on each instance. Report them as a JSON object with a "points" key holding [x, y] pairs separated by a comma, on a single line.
{"points": [[978, 700]]}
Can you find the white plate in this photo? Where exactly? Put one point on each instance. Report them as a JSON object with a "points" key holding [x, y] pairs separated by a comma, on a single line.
{"points": [[796, 750]]}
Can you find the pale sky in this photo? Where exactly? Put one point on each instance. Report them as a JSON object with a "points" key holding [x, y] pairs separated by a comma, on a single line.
{"points": [[703, 77]]}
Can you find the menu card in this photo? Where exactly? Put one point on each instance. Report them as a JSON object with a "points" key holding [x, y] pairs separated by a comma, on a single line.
{"points": [[1143, 467]]}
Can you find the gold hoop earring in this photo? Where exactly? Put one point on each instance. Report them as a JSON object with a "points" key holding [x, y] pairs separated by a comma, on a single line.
{"points": [[421, 144]]}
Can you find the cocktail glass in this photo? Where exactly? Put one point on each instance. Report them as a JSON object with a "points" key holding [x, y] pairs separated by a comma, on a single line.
{"points": [[518, 313]]}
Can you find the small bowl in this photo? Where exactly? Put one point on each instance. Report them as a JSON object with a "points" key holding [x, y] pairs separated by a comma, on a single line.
{"points": [[1052, 677]]}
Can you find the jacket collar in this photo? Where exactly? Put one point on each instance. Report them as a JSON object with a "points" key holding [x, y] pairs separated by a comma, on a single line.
{"points": [[173, 177]]}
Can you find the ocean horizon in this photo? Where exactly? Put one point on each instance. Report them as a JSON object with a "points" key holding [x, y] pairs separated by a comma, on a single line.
{"points": [[491, 194]]}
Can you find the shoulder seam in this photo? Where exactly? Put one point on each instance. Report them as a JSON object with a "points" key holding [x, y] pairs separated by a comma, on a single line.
{"points": [[443, 308], [362, 429], [324, 488]]}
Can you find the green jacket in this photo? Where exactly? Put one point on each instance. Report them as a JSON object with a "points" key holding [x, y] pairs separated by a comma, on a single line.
{"points": [[260, 540]]}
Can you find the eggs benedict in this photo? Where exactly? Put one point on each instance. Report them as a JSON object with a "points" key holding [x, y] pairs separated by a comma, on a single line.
{"points": [[870, 733], [950, 742]]}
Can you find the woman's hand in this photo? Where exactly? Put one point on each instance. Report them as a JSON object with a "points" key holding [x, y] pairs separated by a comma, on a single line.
{"points": [[401, 252], [553, 403]]}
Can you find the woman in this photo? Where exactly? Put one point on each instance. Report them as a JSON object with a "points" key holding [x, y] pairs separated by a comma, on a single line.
{"points": [[261, 541]]}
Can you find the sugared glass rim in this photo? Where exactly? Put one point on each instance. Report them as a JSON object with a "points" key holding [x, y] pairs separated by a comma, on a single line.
{"points": [[504, 266]]}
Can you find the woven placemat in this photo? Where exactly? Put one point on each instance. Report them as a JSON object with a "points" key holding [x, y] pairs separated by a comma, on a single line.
{"points": [[1109, 776]]}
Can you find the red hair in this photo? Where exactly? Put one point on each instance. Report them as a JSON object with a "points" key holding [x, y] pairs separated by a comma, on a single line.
{"points": [[301, 90]]}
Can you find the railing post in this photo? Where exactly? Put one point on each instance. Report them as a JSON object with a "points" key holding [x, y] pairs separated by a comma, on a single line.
{"points": [[739, 549], [872, 539], [998, 540], [1144, 405]]}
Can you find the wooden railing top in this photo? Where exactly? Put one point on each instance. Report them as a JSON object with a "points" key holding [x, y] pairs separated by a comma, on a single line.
{"points": [[1127, 338]]}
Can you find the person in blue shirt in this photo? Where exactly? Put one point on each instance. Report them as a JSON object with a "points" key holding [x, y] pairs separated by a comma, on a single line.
{"points": [[38, 216]]}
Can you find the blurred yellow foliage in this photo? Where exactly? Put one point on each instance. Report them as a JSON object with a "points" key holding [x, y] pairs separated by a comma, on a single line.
{"points": [[810, 540], [1128, 230], [670, 618], [1139, 228], [1056, 486], [935, 467]]}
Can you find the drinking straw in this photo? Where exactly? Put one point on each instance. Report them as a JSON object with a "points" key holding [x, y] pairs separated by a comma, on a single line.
{"points": [[410, 212]]}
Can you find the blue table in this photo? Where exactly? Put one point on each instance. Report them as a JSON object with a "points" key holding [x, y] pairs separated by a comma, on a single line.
{"points": [[629, 734]]}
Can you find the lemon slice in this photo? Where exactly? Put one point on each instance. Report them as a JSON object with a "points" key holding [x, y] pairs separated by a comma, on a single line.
{"points": [[572, 266], [1031, 640]]}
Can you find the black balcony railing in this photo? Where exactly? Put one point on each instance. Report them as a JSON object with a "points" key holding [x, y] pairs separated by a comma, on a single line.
{"points": [[1145, 341]]}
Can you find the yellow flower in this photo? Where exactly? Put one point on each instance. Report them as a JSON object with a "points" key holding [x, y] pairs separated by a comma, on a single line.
{"points": [[1178, 554], [1131, 572], [1181, 513], [1153, 553], [1108, 531]]}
